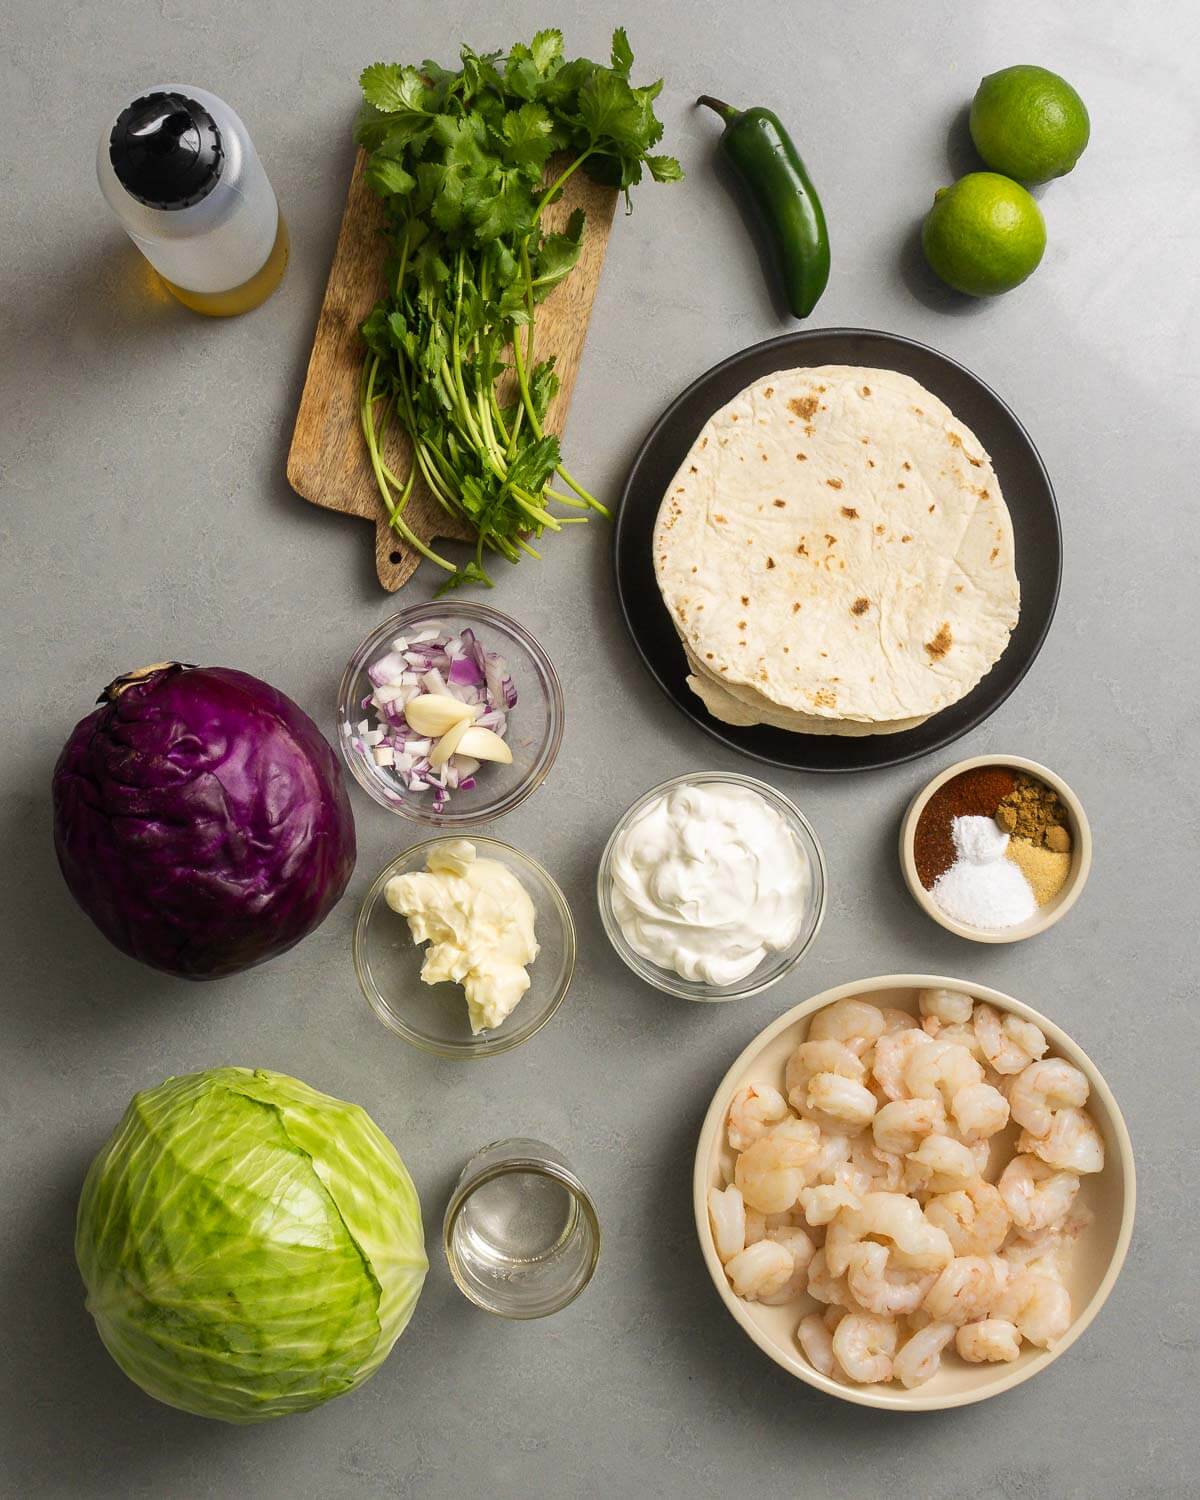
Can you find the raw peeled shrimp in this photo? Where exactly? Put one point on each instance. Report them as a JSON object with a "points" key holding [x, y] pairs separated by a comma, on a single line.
{"points": [[855, 1023], [1047, 1250], [823, 1203], [1042, 1089], [941, 1165], [811, 1058], [1040, 1255], [833, 1315], [1036, 1195], [760, 1270], [979, 1111], [727, 1212], [1073, 1143], [1009, 1043], [759, 1226], [839, 1103], [823, 1286], [753, 1111], [802, 1250], [941, 1069], [947, 1007], [876, 1170], [917, 1244], [863, 1345], [902, 1124], [965, 1290], [897, 1020], [963, 1036], [883, 1289], [974, 1217], [817, 1343], [771, 1172], [993, 1340], [1039, 1306], [891, 1057], [840, 1240], [833, 1153], [920, 1357]]}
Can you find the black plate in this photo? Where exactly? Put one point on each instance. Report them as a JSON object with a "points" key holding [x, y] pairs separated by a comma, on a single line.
{"points": [[1027, 492]]}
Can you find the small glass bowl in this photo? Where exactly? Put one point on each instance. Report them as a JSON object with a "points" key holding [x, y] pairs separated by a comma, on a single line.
{"points": [[775, 965], [535, 725], [434, 1016], [521, 1234]]}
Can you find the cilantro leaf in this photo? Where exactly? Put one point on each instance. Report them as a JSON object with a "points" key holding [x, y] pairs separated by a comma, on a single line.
{"points": [[528, 137], [543, 387], [387, 176], [622, 52], [557, 256], [609, 110], [391, 88], [534, 464], [546, 49], [506, 210], [664, 169]]}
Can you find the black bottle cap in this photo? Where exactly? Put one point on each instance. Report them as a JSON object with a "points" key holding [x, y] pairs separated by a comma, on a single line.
{"points": [[166, 151]]}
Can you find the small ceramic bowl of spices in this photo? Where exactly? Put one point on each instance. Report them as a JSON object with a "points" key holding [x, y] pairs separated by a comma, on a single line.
{"points": [[996, 848]]}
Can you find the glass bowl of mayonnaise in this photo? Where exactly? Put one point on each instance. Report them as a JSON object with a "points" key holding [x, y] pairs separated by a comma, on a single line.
{"points": [[712, 886], [464, 947]]}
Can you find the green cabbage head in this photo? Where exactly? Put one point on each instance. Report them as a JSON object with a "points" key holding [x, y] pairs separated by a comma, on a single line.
{"points": [[250, 1247]]}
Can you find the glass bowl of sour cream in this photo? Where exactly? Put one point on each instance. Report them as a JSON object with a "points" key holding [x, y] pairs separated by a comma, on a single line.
{"points": [[712, 886]]}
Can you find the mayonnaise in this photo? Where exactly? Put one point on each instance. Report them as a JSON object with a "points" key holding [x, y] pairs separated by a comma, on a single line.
{"points": [[707, 880], [477, 918]]}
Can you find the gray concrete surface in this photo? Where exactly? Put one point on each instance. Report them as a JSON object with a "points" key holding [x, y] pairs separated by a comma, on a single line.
{"points": [[146, 515]]}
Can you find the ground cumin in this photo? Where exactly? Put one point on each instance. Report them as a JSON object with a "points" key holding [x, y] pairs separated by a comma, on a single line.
{"points": [[971, 794], [1032, 811]]}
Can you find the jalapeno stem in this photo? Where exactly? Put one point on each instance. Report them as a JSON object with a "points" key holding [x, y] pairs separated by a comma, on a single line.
{"points": [[726, 111]]}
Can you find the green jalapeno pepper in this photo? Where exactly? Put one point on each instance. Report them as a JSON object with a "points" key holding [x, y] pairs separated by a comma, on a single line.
{"points": [[765, 159]]}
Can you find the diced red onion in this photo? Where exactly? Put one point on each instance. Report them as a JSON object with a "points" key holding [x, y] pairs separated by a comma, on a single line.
{"points": [[464, 671], [430, 662]]}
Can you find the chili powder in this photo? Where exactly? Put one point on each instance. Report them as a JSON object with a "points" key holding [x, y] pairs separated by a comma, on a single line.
{"points": [[971, 794]]}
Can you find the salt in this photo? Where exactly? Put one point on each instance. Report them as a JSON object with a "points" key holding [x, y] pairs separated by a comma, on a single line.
{"points": [[982, 888]]}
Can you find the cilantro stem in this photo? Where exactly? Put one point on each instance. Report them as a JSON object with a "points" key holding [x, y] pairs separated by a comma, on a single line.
{"points": [[395, 519], [560, 181], [523, 383]]}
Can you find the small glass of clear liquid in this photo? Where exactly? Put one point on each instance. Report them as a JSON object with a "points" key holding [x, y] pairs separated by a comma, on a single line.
{"points": [[521, 1234]]}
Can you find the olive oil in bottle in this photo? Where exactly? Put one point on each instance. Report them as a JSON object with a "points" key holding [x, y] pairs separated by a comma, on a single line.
{"points": [[181, 174]]}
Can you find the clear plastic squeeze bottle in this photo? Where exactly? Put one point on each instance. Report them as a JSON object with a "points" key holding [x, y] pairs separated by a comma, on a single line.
{"points": [[181, 174]]}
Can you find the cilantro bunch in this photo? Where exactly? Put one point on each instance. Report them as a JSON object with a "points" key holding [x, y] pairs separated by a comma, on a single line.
{"points": [[466, 162]]}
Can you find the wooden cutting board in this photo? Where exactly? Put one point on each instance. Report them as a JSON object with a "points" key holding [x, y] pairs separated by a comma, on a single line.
{"points": [[327, 462]]}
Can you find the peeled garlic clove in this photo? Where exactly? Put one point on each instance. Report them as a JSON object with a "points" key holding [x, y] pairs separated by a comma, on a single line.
{"points": [[448, 743], [482, 744], [434, 714]]}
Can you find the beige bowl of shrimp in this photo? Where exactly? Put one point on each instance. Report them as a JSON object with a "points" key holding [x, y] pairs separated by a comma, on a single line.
{"points": [[917, 1201]]}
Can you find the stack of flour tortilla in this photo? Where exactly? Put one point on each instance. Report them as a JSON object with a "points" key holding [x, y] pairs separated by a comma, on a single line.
{"points": [[836, 555]]}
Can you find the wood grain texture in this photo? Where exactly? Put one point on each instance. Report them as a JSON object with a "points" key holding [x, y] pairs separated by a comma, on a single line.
{"points": [[327, 462]]}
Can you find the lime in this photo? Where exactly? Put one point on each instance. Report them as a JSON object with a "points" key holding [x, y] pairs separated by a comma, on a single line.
{"points": [[984, 235], [1029, 123]]}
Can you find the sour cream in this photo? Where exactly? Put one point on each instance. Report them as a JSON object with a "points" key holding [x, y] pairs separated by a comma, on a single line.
{"points": [[477, 918], [707, 880]]}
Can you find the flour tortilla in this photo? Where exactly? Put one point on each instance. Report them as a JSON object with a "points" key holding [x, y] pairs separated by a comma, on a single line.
{"points": [[835, 550], [742, 707]]}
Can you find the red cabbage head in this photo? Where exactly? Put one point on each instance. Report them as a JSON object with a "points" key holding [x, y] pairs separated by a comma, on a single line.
{"points": [[201, 820]]}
